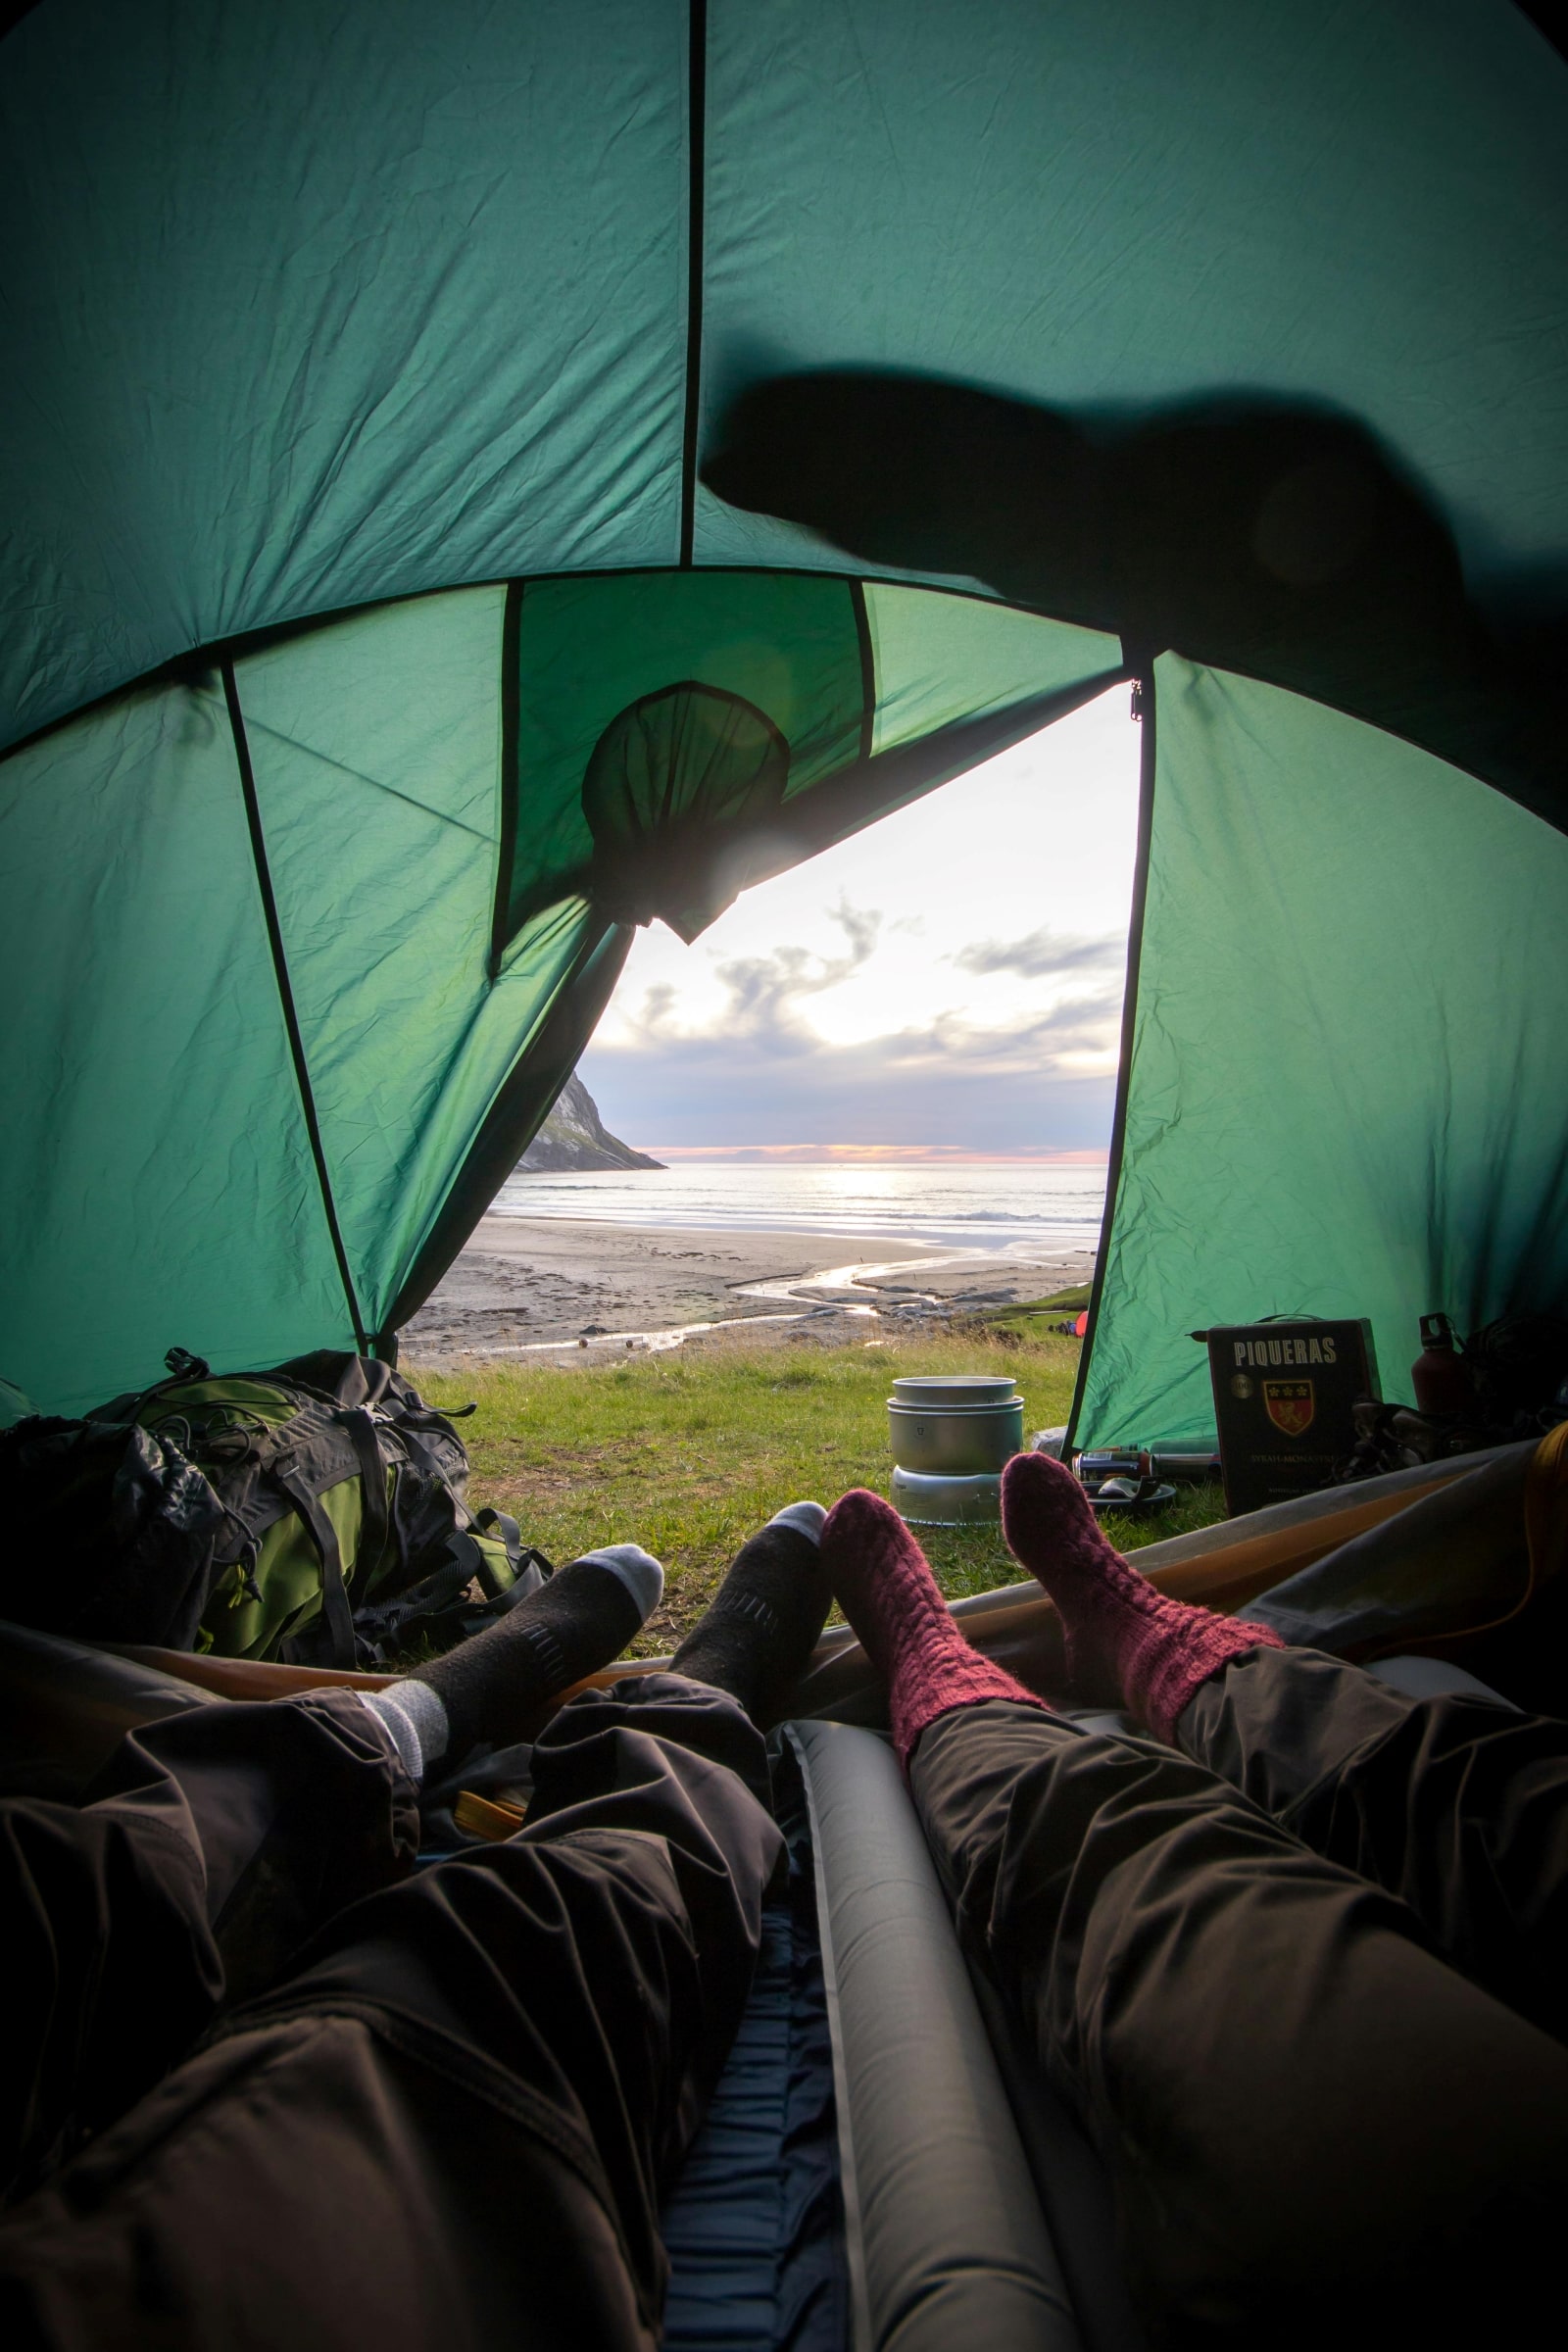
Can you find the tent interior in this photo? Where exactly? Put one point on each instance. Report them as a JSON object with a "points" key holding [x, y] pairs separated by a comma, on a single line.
{"points": [[479, 480]]}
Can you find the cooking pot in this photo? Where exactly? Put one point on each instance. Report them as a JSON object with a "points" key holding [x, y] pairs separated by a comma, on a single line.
{"points": [[959, 1426]]}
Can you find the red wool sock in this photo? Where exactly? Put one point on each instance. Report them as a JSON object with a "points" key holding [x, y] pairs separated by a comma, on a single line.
{"points": [[890, 1596], [1159, 1650]]}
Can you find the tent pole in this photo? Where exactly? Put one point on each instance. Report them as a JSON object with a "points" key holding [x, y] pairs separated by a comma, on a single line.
{"points": [[296, 1042], [1141, 663]]}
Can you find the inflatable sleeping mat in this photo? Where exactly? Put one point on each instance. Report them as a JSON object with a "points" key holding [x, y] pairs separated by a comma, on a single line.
{"points": [[904, 2199]]}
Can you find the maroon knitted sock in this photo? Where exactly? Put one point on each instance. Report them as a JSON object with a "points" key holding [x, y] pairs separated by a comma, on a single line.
{"points": [[892, 1599], [1158, 1649]]}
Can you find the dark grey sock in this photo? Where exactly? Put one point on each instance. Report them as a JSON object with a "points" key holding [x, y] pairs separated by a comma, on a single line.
{"points": [[493, 1684], [761, 1625]]}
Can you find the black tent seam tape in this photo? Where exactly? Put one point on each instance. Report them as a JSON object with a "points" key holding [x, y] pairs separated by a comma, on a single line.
{"points": [[296, 1042], [510, 789]]}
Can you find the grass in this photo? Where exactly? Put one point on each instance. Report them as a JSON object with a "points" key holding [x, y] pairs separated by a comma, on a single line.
{"points": [[1038, 1318], [1075, 1299], [689, 1452]]}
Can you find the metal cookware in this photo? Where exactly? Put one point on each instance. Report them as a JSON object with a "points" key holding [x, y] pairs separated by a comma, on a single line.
{"points": [[963, 1426]]}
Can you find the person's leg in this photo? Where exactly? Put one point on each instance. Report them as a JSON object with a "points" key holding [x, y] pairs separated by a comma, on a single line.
{"points": [[1455, 1804], [1304, 2111], [210, 1847], [454, 2123], [1458, 1805], [215, 1841], [887, 1592]]}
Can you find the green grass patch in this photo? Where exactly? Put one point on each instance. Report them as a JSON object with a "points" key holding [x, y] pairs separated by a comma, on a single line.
{"points": [[1036, 1319], [1071, 1301], [689, 1452]]}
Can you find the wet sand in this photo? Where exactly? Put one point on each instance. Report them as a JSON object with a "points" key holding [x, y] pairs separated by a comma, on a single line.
{"points": [[537, 1288]]}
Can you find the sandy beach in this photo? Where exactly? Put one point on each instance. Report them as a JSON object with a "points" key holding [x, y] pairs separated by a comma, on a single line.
{"points": [[538, 1288]]}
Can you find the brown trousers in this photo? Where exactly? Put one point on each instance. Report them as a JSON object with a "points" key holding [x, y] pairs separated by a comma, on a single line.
{"points": [[450, 2124], [1309, 2012], [448, 2121]]}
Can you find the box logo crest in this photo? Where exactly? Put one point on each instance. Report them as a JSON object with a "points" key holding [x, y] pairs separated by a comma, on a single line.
{"points": [[1290, 1405]]}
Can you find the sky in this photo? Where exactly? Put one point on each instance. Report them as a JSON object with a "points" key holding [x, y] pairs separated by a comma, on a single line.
{"points": [[946, 984]]}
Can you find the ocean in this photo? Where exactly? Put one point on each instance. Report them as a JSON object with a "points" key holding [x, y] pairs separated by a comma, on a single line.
{"points": [[1012, 1209]]}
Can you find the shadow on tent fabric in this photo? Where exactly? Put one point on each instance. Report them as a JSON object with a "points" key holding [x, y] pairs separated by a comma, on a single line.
{"points": [[1276, 538]]}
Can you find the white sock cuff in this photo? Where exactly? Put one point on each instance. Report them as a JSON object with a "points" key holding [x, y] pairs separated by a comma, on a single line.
{"points": [[415, 1721], [638, 1569], [806, 1518]]}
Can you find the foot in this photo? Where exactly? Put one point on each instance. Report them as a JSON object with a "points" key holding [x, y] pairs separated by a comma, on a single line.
{"points": [[1156, 1650], [493, 1686], [760, 1629], [885, 1587]]}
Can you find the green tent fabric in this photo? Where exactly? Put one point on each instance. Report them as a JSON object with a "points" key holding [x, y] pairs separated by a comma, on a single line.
{"points": [[312, 937], [155, 1153], [372, 653], [1347, 1040]]}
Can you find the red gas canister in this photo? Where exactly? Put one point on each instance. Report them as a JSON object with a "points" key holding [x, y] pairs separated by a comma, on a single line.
{"points": [[1442, 1379]]}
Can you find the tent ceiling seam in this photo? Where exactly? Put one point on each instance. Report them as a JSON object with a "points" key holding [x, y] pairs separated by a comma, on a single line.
{"points": [[697, 161], [199, 661], [292, 1024]]}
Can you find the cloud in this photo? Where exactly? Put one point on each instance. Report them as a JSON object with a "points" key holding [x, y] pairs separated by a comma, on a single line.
{"points": [[766, 990], [1019, 1087], [753, 1071], [896, 1156], [1043, 954], [1077, 1026], [847, 1094], [763, 993], [658, 1002]]}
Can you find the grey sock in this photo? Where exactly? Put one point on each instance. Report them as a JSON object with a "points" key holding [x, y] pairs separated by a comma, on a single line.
{"points": [[638, 1571], [415, 1720], [806, 1518]]}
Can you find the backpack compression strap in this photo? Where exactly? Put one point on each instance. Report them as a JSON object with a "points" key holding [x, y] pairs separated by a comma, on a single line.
{"points": [[324, 1534]]}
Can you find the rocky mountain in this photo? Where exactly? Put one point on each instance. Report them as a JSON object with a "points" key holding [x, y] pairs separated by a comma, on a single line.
{"points": [[574, 1136]]}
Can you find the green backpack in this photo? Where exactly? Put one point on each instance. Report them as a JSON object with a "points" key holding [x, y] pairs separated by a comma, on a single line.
{"points": [[312, 1514]]}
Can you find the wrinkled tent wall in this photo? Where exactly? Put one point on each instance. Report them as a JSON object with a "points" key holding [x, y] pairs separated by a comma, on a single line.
{"points": [[266, 1065], [315, 306], [1346, 1094], [157, 1170], [159, 1146], [376, 746]]}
